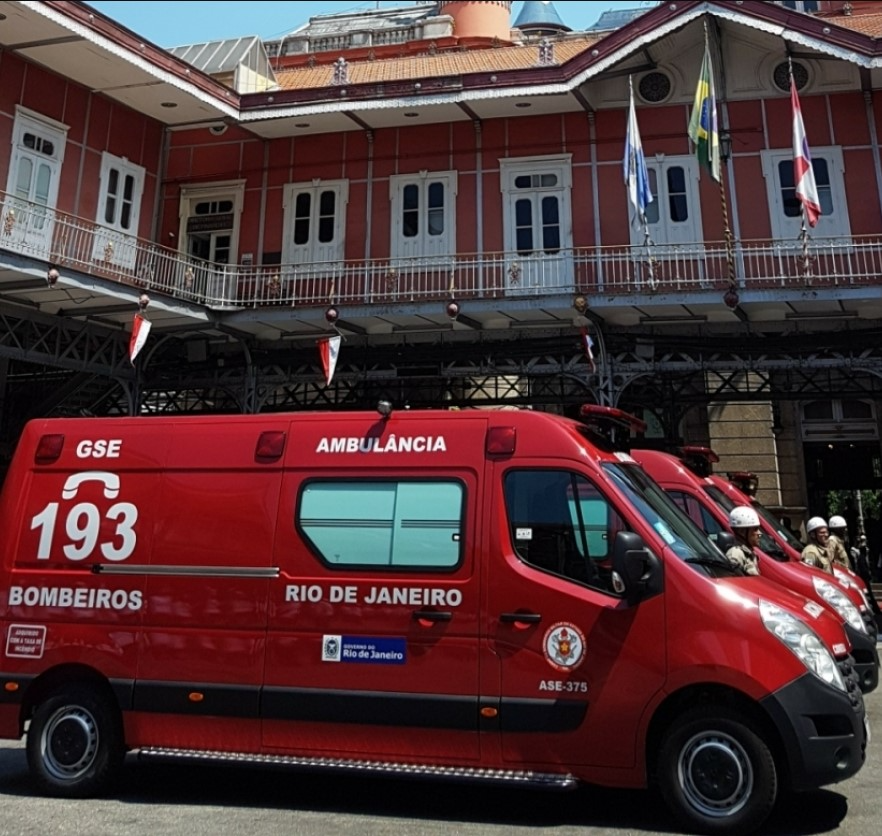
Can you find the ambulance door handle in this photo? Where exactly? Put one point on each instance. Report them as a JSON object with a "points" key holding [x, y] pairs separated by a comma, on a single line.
{"points": [[520, 617], [432, 615]]}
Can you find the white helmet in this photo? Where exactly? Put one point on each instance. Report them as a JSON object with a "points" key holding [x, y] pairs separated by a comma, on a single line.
{"points": [[743, 516], [815, 523], [837, 522]]}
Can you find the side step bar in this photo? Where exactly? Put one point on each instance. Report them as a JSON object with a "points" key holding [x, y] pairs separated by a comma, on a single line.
{"points": [[507, 777]]}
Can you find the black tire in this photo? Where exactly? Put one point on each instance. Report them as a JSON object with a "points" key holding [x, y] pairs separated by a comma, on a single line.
{"points": [[715, 772], [75, 742]]}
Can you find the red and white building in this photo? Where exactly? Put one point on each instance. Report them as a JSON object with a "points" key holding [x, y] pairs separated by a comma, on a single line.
{"points": [[442, 185]]}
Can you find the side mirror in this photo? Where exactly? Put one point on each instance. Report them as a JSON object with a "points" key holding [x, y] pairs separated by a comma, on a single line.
{"points": [[636, 571]]}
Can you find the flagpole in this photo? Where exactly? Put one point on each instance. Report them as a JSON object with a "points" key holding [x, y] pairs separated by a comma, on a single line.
{"points": [[804, 241], [704, 133], [136, 388], [140, 329], [727, 234], [637, 180], [650, 259], [804, 184], [647, 238], [606, 384], [728, 237], [601, 366]]}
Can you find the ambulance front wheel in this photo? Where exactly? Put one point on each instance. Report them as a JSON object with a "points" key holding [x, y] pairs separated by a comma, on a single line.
{"points": [[716, 773], [75, 742]]}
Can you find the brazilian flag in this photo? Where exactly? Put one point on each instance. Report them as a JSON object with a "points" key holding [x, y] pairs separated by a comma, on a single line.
{"points": [[703, 129]]}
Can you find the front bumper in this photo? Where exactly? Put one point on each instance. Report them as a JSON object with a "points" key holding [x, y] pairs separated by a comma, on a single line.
{"points": [[866, 658], [824, 730]]}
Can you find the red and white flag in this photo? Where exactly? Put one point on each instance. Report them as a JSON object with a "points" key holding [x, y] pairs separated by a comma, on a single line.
{"points": [[803, 174], [140, 329], [329, 350], [588, 348]]}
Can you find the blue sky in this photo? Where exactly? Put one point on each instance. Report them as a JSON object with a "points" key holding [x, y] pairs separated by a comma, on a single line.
{"points": [[175, 23]]}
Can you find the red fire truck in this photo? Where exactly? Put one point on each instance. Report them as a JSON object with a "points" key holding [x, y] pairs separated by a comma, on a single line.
{"points": [[482, 595]]}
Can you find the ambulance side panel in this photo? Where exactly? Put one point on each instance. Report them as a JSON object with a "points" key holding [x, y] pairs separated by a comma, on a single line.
{"points": [[92, 506], [373, 625], [201, 654]]}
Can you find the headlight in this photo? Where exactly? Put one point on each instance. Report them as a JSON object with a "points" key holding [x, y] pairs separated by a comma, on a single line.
{"points": [[840, 602], [849, 583], [803, 642]]}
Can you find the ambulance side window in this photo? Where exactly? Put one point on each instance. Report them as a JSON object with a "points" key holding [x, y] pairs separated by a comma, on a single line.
{"points": [[561, 523], [697, 513], [384, 523], [688, 504]]}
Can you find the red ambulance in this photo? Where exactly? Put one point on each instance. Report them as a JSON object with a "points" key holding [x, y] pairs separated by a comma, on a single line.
{"points": [[781, 541], [485, 595], [693, 494], [777, 541]]}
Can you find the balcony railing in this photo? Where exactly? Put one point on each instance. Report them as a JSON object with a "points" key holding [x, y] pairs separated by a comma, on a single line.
{"points": [[64, 240]]}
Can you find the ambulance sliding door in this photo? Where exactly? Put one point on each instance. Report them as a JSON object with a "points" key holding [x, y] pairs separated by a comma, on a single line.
{"points": [[372, 646], [202, 653]]}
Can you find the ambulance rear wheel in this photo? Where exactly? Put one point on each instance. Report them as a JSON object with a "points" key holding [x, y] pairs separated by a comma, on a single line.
{"points": [[716, 773], [75, 742]]}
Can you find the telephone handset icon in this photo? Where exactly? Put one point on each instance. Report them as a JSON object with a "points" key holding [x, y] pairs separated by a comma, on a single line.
{"points": [[109, 480]]}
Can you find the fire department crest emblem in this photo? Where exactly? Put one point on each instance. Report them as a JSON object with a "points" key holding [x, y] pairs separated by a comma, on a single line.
{"points": [[564, 646]]}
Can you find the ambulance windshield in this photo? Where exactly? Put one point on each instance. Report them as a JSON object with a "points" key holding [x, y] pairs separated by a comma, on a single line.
{"points": [[650, 501], [778, 527], [766, 544]]}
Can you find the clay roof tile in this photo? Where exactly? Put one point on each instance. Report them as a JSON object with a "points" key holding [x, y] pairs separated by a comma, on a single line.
{"points": [[866, 24], [443, 63]]}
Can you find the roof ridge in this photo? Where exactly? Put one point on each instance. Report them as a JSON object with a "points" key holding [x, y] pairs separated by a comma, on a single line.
{"points": [[439, 54]]}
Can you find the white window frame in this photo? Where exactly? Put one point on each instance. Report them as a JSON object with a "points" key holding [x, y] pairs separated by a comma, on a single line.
{"points": [[29, 121], [33, 225], [538, 271], [830, 225], [292, 253], [115, 243], [660, 232], [233, 190], [511, 168], [217, 283], [838, 426], [397, 184], [126, 169]]}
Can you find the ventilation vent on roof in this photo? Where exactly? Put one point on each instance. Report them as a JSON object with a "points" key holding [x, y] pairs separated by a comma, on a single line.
{"points": [[781, 76], [654, 87]]}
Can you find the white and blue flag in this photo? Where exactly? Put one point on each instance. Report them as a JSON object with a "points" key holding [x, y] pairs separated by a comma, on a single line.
{"points": [[634, 165]]}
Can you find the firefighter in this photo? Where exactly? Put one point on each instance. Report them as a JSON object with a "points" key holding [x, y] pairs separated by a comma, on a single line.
{"points": [[745, 524], [817, 553], [861, 564], [837, 544]]}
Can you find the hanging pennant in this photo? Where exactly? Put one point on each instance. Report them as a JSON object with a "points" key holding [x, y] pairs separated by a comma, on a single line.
{"points": [[140, 330], [588, 348], [329, 350]]}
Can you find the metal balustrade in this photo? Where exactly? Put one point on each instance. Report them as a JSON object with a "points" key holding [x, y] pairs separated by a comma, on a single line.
{"points": [[63, 240]]}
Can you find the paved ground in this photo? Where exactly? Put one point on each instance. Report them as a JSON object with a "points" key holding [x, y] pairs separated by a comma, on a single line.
{"points": [[228, 801]]}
